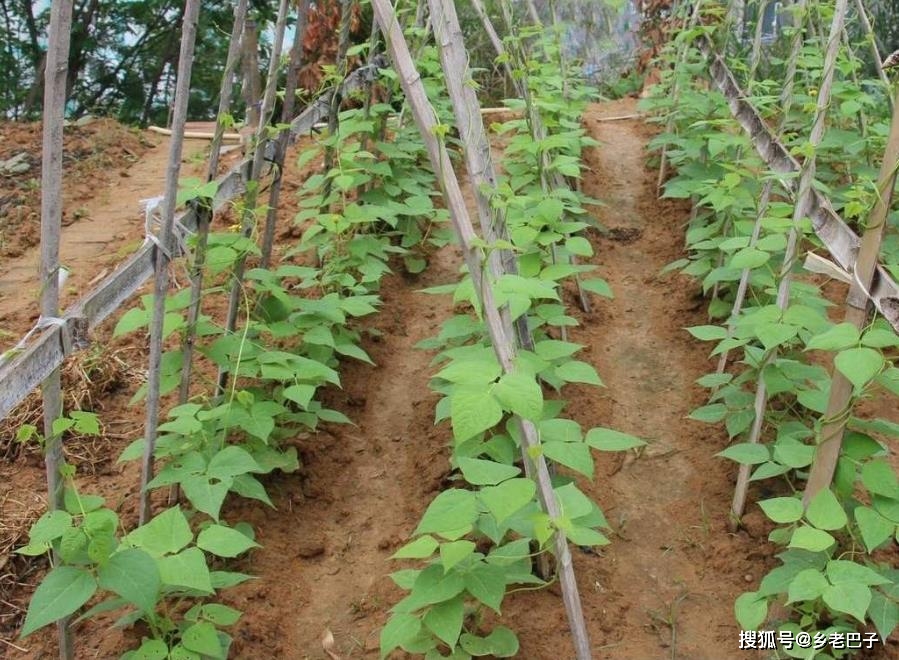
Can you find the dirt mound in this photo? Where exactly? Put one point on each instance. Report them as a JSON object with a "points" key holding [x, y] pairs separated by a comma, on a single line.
{"points": [[94, 151]]}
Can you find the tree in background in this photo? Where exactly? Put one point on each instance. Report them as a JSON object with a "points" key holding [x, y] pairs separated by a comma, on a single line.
{"points": [[127, 73]]}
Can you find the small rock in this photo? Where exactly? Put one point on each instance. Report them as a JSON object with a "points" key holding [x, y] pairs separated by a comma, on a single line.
{"points": [[18, 164], [748, 578]]}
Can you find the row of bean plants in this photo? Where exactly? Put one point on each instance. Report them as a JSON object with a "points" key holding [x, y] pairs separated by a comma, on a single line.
{"points": [[301, 319], [477, 541], [833, 573]]}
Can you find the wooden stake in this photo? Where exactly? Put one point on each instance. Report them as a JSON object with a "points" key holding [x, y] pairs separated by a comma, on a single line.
{"points": [[248, 222], [287, 110], [827, 453], [502, 344], [55, 72], [163, 255]]}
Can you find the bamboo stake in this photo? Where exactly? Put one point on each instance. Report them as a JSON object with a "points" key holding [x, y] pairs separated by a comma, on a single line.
{"points": [[204, 215], [287, 111], [827, 453], [248, 221], [806, 179], [251, 85], [875, 51], [675, 94], [786, 103], [502, 344], [343, 43], [163, 256], [55, 72]]}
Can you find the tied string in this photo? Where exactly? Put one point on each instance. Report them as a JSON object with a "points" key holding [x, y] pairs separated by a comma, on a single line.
{"points": [[152, 208], [41, 323]]}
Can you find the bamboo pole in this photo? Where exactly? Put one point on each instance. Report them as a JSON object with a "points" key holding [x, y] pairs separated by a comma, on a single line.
{"points": [[875, 51], [248, 221], [675, 93], [827, 453], [287, 111], [55, 78], [343, 42], [204, 215], [502, 344], [802, 203], [163, 256], [786, 103]]}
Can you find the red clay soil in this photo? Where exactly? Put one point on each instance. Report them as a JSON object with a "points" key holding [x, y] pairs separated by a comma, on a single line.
{"points": [[663, 589]]}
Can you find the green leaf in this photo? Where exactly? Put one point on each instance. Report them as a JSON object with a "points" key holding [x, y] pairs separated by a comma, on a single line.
{"points": [[709, 414], [445, 620], [400, 629], [453, 552], [300, 394], [507, 498], [479, 472], [501, 643], [220, 615], [836, 338], [487, 583], [575, 455], [134, 318], [521, 394], [811, 539], [746, 453], [598, 286], [133, 575], [472, 411], [884, 613], [808, 584], [49, 526], [186, 570], [150, 649], [203, 638], [782, 510], [207, 496], [849, 597], [875, 529], [230, 462], [825, 511], [840, 571], [859, 365], [751, 610], [576, 371], [586, 536], [708, 332], [451, 510], [749, 257], [580, 246], [420, 548], [59, 594], [606, 439], [224, 541], [166, 533], [880, 479]]}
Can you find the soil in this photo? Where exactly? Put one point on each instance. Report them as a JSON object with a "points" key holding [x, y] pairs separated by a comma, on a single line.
{"points": [[663, 589]]}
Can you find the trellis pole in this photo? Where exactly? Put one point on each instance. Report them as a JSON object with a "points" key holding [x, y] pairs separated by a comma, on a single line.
{"points": [[343, 44], [164, 246], [827, 452], [251, 198], [786, 103], [872, 41], [503, 345], [803, 197], [55, 72], [287, 112], [204, 214]]}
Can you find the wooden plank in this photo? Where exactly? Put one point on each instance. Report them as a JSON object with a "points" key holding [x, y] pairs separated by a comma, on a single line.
{"points": [[23, 371]]}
